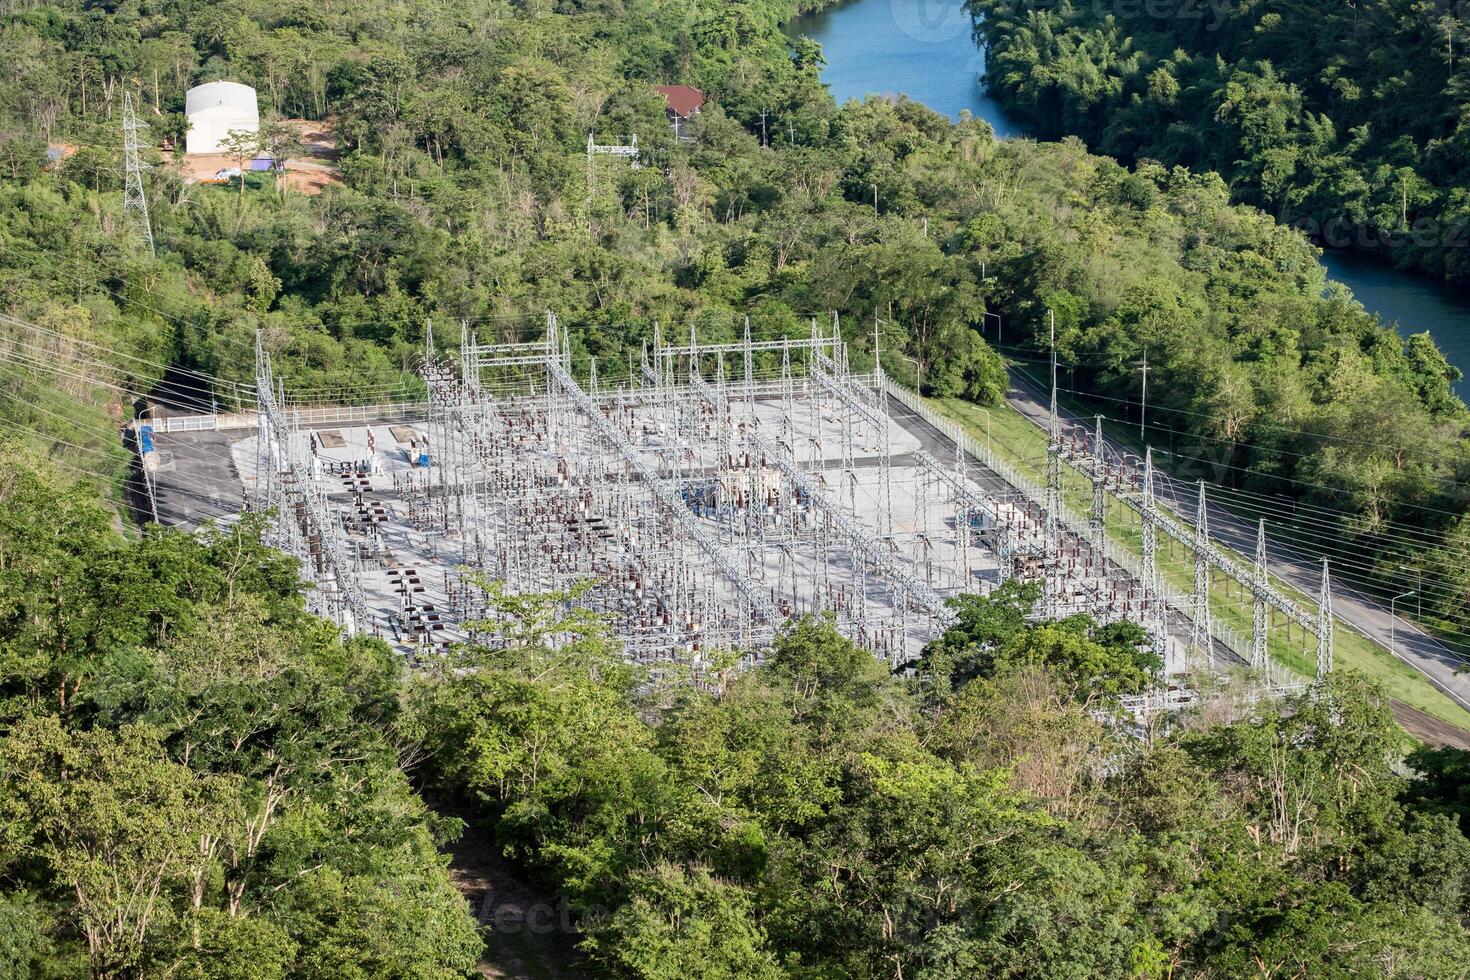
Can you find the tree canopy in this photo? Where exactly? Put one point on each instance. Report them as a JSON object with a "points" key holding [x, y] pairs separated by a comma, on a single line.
{"points": [[1348, 120], [198, 779], [820, 817]]}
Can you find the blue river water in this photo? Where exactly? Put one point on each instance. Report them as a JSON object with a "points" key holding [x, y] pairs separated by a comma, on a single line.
{"points": [[923, 49]]}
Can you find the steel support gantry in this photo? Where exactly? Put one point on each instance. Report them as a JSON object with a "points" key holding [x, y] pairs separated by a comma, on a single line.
{"points": [[859, 539], [761, 607], [283, 456]]}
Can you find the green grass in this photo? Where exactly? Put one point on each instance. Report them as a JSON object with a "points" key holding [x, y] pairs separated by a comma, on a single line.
{"points": [[1018, 441]]}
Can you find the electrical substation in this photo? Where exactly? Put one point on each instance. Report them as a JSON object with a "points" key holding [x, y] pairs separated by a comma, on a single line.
{"points": [[728, 489]]}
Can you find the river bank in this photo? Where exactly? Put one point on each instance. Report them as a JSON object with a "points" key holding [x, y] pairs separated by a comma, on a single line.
{"points": [[923, 49]]}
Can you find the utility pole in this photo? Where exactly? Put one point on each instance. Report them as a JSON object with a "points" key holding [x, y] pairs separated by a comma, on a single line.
{"points": [[962, 515], [135, 201], [1051, 319], [885, 478], [1149, 533], [1143, 400]]}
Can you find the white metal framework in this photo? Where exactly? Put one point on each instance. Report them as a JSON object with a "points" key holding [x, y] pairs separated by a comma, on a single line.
{"points": [[720, 490]]}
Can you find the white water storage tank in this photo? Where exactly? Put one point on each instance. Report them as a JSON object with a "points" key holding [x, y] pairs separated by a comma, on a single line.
{"points": [[217, 108]]}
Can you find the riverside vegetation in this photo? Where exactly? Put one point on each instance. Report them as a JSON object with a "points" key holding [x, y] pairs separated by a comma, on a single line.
{"points": [[1347, 119], [199, 780]]}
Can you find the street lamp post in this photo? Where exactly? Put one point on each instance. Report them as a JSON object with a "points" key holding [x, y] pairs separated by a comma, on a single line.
{"points": [[1418, 585], [1392, 616], [919, 382], [998, 338]]}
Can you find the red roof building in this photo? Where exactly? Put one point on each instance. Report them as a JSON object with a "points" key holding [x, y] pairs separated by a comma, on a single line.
{"points": [[684, 102]]}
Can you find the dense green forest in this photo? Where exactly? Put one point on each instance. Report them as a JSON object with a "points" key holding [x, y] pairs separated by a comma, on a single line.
{"points": [[199, 780], [1348, 120], [820, 818]]}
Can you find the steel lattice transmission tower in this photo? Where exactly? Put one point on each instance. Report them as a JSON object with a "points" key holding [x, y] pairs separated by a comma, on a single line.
{"points": [[1200, 635], [135, 201], [1149, 533], [1098, 513], [1051, 556], [1259, 614], [1324, 626]]}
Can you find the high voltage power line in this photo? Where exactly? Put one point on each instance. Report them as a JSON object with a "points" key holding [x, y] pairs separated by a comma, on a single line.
{"points": [[1254, 423], [1369, 574], [1244, 470], [95, 427]]}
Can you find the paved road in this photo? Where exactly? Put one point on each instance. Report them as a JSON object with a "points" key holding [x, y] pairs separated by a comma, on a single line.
{"points": [[1443, 667]]}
